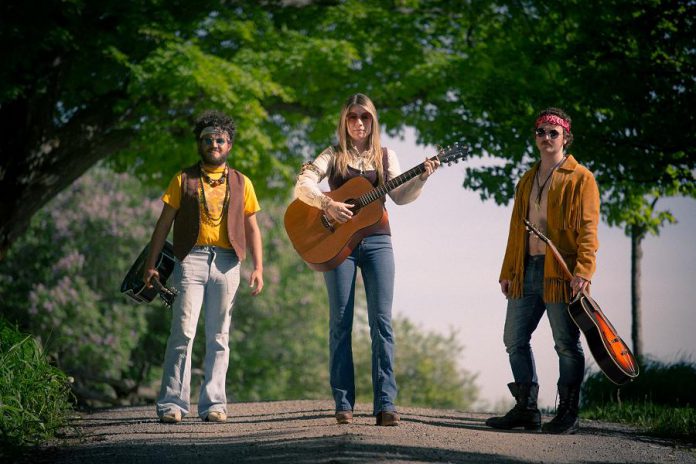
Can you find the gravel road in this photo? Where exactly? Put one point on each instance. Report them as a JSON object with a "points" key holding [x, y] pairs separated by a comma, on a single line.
{"points": [[306, 432]]}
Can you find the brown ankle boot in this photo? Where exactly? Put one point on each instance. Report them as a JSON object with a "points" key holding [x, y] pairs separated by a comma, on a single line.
{"points": [[388, 418]]}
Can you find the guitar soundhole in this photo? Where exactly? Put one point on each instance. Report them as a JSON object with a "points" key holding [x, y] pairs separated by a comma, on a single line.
{"points": [[356, 205], [326, 222]]}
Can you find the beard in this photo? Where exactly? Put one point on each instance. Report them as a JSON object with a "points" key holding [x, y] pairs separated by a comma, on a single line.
{"points": [[213, 157]]}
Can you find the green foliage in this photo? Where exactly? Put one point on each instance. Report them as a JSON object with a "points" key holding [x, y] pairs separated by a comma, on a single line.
{"points": [[61, 282], [659, 383], [623, 70], [124, 80], [34, 395], [662, 400]]}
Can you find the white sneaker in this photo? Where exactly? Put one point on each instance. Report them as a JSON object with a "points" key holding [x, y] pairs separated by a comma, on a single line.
{"points": [[172, 417], [216, 416]]}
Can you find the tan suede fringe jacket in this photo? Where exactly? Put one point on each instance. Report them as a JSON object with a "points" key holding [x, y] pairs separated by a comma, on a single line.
{"points": [[573, 217]]}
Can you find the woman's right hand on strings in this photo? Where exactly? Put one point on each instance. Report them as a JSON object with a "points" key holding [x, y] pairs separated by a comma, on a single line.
{"points": [[339, 212]]}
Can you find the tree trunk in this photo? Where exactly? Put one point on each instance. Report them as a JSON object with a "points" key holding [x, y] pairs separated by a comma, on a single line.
{"points": [[39, 160], [637, 236]]}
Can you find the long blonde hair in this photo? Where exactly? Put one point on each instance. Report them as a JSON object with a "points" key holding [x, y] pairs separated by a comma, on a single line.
{"points": [[375, 148]]}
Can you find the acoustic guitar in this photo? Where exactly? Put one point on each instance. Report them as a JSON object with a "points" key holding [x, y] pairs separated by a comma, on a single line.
{"points": [[610, 352], [324, 244], [134, 287]]}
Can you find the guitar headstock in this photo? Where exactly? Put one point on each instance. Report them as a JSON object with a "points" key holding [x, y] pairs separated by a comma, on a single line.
{"points": [[452, 154], [167, 294], [533, 229]]}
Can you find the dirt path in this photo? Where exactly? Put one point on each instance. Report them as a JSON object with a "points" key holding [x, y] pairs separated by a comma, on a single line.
{"points": [[305, 432]]}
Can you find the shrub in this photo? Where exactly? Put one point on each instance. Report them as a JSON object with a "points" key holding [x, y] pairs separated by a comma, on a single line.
{"points": [[34, 395], [658, 383], [661, 401], [61, 282]]}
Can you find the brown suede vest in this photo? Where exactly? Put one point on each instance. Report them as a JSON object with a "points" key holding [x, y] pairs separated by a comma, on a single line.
{"points": [[336, 180], [187, 221]]}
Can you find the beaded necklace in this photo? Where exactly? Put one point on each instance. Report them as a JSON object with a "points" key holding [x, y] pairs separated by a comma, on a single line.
{"points": [[214, 182], [207, 217]]}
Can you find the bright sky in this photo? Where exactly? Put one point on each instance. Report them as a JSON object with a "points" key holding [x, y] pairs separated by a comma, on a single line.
{"points": [[449, 247]]}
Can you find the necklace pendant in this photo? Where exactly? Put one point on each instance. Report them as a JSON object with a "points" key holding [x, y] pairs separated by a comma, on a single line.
{"points": [[537, 205]]}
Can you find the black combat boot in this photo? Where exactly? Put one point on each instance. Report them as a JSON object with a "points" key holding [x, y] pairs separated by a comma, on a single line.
{"points": [[566, 420], [525, 413]]}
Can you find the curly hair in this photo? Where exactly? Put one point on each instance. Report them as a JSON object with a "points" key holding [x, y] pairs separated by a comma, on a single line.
{"points": [[218, 119], [567, 135]]}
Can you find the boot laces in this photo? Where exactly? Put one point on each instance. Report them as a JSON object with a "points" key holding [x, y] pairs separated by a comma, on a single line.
{"points": [[564, 409]]}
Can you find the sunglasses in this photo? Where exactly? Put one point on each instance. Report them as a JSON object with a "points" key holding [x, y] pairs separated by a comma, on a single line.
{"points": [[553, 133], [365, 117], [209, 140]]}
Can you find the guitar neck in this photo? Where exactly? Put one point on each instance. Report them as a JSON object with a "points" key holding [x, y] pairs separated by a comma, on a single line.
{"points": [[560, 260], [382, 190], [549, 244]]}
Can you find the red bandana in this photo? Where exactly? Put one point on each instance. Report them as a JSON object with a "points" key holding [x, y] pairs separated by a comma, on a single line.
{"points": [[553, 119]]}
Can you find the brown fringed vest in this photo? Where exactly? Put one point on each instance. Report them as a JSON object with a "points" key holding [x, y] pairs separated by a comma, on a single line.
{"points": [[336, 180], [187, 221]]}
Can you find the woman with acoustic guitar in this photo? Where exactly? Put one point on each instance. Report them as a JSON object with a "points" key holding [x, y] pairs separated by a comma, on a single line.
{"points": [[560, 197], [359, 153]]}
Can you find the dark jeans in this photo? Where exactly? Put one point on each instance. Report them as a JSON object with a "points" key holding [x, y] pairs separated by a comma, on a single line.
{"points": [[523, 316]]}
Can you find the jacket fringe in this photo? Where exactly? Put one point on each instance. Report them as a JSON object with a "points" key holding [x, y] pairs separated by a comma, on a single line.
{"points": [[556, 290]]}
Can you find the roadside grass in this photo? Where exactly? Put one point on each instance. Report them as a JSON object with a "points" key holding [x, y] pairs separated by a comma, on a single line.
{"points": [[661, 401], [34, 395], [656, 420]]}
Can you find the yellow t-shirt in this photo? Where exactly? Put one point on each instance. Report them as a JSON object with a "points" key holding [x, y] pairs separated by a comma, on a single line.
{"points": [[209, 234]]}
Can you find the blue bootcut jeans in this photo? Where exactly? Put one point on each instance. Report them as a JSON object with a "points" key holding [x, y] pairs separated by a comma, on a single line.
{"points": [[375, 257], [523, 316], [208, 276]]}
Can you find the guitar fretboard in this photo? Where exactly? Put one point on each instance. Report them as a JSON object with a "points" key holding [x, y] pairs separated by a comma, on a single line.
{"points": [[382, 190]]}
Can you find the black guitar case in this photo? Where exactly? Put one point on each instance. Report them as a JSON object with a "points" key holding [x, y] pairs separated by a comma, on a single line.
{"points": [[134, 287]]}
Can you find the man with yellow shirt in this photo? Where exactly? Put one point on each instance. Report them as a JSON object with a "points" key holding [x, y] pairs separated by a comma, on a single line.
{"points": [[561, 197], [213, 209]]}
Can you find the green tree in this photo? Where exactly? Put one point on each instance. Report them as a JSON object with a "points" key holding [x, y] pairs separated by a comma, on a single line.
{"points": [[625, 72], [98, 80]]}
